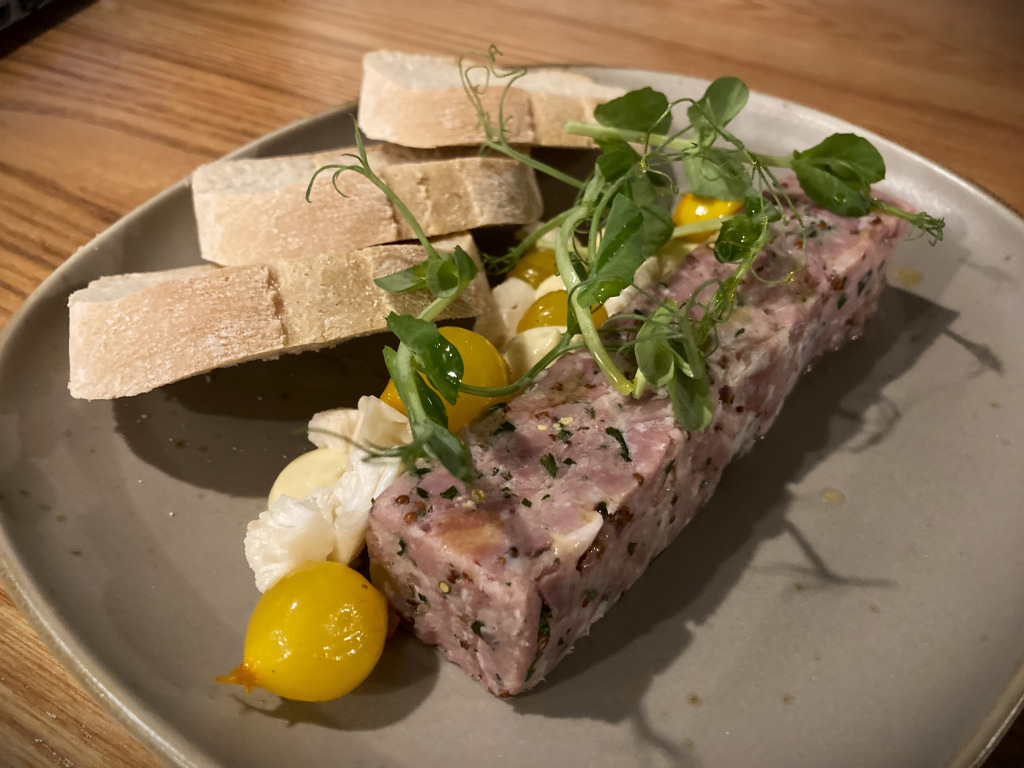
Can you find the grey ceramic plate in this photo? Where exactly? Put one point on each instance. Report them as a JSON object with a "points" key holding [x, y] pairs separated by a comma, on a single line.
{"points": [[778, 630]]}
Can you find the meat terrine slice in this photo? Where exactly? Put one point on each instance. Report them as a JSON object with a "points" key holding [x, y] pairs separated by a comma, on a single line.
{"points": [[581, 488]]}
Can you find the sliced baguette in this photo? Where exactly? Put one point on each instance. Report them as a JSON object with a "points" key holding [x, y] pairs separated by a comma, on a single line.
{"points": [[254, 210], [132, 333], [419, 101]]}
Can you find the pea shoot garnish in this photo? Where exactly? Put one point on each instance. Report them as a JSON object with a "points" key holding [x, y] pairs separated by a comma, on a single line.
{"points": [[619, 220]]}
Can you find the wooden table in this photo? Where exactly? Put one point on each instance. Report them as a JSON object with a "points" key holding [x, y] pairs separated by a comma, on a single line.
{"points": [[103, 104]]}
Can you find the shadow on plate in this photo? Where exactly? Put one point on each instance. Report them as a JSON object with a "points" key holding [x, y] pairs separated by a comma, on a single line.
{"points": [[233, 430], [398, 685], [831, 410]]}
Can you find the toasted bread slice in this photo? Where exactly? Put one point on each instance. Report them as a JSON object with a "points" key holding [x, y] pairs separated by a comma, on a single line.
{"points": [[132, 333], [251, 211], [419, 101]]}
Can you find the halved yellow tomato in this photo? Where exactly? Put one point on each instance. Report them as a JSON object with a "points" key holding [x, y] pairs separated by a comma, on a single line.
{"points": [[483, 367], [552, 309], [693, 208]]}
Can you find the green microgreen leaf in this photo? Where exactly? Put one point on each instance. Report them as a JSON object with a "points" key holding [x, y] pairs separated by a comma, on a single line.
{"points": [[691, 401], [838, 173], [654, 355], [442, 445], [713, 171], [438, 358], [848, 157], [718, 173], [740, 239], [430, 400], [831, 192], [657, 225], [448, 274], [689, 358], [617, 159], [428, 421], [722, 101], [757, 207], [411, 279], [619, 254], [642, 110]]}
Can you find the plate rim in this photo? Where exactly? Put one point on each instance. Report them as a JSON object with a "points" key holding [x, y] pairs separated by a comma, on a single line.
{"points": [[148, 727]]}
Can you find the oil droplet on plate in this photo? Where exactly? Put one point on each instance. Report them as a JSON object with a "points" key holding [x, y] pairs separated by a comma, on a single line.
{"points": [[833, 496], [695, 700], [907, 277]]}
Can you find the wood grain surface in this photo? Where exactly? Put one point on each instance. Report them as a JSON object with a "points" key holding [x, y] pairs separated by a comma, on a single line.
{"points": [[104, 104]]}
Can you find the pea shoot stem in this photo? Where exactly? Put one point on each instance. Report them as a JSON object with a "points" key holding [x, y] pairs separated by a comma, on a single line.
{"points": [[701, 227], [773, 161], [494, 136], [528, 242], [406, 371], [564, 345], [603, 132], [364, 170], [567, 234], [508, 151], [436, 307], [602, 204]]}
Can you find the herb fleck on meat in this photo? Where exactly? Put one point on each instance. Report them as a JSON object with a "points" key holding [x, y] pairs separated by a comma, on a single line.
{"points": [[623, 448], [550, 464]]}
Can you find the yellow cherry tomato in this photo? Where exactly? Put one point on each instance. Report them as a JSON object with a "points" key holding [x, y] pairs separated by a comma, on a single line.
{"points": [[551, 309], [693, 208], [483, 367], [535, 267], [315, 635]]}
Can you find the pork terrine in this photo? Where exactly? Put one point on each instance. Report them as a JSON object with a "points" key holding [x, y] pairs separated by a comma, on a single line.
{"points": [[581, 488]]}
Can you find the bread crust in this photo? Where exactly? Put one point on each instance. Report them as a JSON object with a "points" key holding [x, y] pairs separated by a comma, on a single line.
{"points": [[132, 333], [251, 211]]}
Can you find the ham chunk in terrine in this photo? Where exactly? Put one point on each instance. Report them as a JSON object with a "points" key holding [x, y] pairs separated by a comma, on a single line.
{"points": [[581, 488]]}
